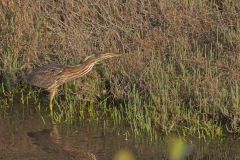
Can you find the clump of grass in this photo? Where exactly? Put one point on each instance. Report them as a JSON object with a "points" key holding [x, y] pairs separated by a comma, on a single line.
{"points": [[179, 72]]}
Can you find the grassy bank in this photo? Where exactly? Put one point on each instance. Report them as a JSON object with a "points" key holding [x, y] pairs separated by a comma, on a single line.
{"points": [[179, 72]]}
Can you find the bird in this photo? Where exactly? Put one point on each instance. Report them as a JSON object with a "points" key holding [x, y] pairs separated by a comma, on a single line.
{"points": [[51, 76]]}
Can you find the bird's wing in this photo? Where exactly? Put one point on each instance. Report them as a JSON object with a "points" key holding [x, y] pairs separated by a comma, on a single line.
{"points": [[45, 76]]}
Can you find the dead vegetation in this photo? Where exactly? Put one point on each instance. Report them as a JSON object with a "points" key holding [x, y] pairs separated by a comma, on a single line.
{"points": [[180, 56]]}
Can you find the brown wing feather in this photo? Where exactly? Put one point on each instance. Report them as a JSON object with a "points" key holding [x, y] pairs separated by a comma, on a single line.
{"points": [[45, 76]]}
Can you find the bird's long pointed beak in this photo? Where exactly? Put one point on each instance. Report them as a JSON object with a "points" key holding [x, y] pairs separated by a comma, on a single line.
{"points": [[118, 55]]}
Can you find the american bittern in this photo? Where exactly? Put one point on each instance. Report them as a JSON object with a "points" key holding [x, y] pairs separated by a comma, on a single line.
{"points": [[51, 76]]}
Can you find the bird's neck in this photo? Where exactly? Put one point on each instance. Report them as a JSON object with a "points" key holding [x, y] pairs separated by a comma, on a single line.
{"points": [[79, 71]]}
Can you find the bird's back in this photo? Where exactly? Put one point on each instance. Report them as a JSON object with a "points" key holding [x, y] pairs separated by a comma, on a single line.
{"points": [[45, 76]]}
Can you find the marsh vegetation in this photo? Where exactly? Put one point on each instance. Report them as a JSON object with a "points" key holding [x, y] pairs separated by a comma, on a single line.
{"points": [[179, 73]]}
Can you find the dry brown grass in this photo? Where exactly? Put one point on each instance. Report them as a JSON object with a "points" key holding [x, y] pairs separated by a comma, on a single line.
{"points": [[181, 54]]}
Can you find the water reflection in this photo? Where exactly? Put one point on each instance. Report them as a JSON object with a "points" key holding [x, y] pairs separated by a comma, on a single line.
{"points": [[30, 138], [50, 140], [124, 154], [179, 148]]}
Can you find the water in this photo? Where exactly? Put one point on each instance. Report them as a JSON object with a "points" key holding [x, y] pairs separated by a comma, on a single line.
{"points": [[34, 137]]}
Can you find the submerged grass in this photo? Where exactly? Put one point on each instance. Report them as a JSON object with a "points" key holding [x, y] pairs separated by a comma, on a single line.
{"points": [[179, 72]]}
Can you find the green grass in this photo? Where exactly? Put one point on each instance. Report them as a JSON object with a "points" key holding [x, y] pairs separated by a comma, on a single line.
{"points": [[179, 72]]}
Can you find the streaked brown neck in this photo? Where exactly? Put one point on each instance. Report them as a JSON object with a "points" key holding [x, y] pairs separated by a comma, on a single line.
{"points": [[79, 71]]}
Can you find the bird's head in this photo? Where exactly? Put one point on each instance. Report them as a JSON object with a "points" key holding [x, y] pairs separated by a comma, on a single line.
{"points": [[101, 56], [106, 55]]}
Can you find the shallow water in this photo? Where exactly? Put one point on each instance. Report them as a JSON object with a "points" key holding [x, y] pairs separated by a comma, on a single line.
{"points": [[35, 138]]}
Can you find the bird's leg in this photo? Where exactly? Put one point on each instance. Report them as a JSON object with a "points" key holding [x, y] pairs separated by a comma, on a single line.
{"points": [[52, 94]]}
